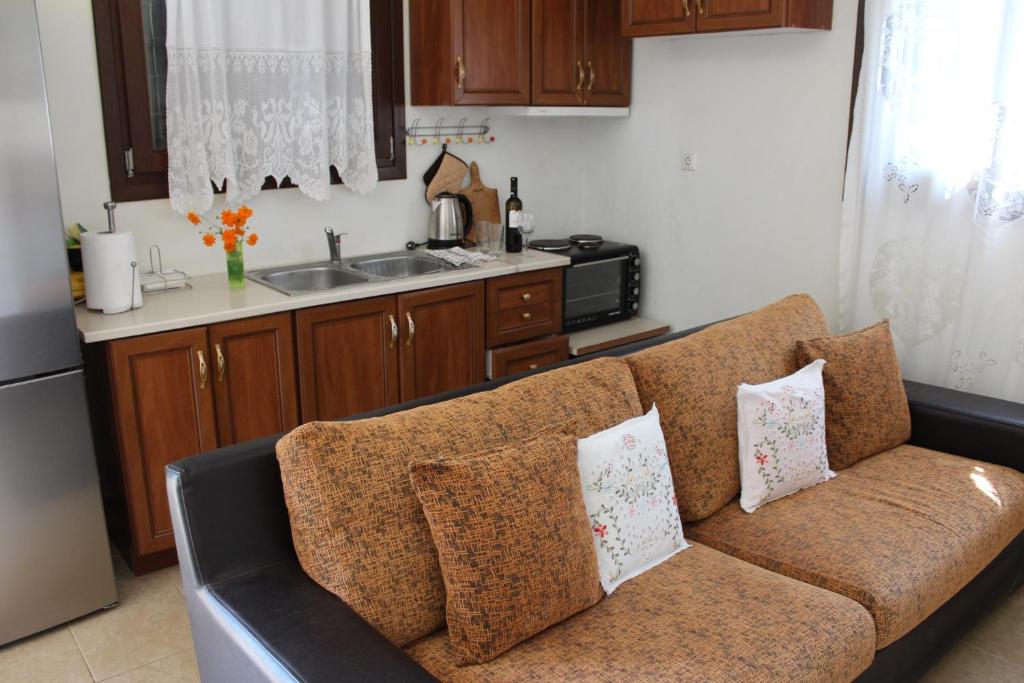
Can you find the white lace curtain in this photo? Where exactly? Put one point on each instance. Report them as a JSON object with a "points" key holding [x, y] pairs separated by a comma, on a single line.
{"points": [[933, 234], [269, 88]]}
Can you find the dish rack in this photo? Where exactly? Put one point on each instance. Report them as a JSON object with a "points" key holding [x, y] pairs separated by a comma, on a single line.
{"points": [[156, 279]]}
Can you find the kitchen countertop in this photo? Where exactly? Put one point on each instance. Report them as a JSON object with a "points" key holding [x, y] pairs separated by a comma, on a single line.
{"points": [[210, 301]]}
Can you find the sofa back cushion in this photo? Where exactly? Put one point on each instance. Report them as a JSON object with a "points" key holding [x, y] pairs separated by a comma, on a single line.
{"points": [[358, 528], [693, 380]]}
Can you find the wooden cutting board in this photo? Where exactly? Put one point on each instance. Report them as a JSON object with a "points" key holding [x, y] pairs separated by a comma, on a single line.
{"points": [[484, 200]]}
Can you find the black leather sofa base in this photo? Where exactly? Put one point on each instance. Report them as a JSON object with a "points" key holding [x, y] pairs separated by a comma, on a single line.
{"points": [[256, 616]]}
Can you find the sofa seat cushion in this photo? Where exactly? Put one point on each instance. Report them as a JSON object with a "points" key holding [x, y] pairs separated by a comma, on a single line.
{"points": [[701, 615], [358, 528], [693, 380], [900, 532]]}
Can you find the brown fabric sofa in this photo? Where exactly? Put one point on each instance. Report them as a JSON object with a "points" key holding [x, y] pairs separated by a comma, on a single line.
{"points": [[805, 589]]}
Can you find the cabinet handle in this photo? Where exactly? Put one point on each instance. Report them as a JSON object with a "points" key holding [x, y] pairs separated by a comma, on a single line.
{"points": [[204, 372], [686, 8], [700, 7], [461, 79], [527, 296], [412, 329], [533, 366], [593, 74], [527, 316], [579, 76], [394, 331], [222, 364]]}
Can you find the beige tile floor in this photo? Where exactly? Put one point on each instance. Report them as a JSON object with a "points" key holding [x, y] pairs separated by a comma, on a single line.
{"points": [[146, 640]]}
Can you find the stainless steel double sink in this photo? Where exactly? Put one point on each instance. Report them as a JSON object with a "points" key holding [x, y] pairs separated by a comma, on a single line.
{"points": [[318, 277]]}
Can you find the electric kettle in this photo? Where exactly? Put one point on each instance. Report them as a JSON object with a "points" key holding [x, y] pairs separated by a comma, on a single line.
{"points": [[451, 216]]}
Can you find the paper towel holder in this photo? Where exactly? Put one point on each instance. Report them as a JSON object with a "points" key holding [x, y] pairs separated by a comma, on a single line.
{"points": [[110, 206]]}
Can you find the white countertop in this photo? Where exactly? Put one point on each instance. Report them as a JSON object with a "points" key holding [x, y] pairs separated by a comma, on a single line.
{"points": [[210, 301]]}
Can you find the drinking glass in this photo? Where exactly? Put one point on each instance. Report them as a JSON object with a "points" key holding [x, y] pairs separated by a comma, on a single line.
{"points": [[489, 237], [527, 225]]}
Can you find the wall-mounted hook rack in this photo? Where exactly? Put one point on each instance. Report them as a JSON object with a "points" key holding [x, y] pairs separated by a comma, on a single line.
{"points": [[438, 133]]}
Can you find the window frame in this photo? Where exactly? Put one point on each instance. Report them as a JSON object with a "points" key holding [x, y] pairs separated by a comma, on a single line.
{"points": [[126, 122]]}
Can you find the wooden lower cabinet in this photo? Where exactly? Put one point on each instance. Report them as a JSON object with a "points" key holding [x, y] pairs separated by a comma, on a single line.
{"points": [[532, 355], [348, 358], [443, 339], [254, 377], [163, 411]]}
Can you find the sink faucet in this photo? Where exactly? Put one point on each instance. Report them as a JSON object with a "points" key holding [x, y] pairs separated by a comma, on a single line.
{"points": [[334, 243]]}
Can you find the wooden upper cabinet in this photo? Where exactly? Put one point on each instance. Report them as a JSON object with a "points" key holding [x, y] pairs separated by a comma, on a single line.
{"points": [[442, 344], [472, 52], [607, 55], [254, 377], [658, 17], [579, 54], [162, 392], [670, 17], [348, 358]]}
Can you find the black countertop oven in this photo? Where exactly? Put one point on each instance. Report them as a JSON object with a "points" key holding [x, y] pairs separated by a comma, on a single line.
{"points": [[601, 286]]}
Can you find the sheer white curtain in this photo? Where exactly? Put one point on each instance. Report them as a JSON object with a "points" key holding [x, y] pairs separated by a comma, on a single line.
{"points": [[933, 234], [269, 88]]}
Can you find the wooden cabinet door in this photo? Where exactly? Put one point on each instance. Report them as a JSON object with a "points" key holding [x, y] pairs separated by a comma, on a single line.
{"points": [[607, 55], [163, 400], [442, 339], [558, 58], [734, 15], [348, 358], [491, 44], [658, 17], [254, 377]]}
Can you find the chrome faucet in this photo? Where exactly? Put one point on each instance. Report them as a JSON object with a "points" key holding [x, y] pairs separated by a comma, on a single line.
{"points": [[334, 243]]}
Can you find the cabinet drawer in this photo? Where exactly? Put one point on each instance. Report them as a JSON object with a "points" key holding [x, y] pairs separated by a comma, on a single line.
{"points": [[540, 353], [524, 306]]}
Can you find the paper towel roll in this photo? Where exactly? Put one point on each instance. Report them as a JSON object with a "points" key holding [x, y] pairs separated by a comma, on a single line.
{"points": [[111, 281]]}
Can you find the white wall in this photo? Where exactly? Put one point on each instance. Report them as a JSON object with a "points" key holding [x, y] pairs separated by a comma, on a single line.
{"points": [[767, 115], [759, 219], [289, 223]]}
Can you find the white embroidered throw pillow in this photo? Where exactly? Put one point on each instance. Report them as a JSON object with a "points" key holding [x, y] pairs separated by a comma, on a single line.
{"points": [[630, 498], [782, 436]]}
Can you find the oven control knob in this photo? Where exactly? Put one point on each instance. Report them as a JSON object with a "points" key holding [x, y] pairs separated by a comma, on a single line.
{"points": [[636, 291], [636, 277], [636, 260], [635, 306]]}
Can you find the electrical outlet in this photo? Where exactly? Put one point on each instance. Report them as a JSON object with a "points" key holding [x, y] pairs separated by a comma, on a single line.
{"points": [[689, 161]]}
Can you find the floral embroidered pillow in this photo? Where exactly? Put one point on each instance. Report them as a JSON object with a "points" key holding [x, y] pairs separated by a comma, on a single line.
{"points": [[782, 436], [630, 499]]}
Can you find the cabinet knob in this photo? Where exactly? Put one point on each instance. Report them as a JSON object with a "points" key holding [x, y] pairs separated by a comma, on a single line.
{"points": [[527, 296], [533, 366], [527, 316]]}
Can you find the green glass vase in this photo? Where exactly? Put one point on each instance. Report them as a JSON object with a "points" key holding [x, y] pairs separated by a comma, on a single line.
{"points": [[236, 267]]}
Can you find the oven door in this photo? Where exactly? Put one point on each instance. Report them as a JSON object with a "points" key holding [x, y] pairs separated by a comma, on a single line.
{"points": [[595, 293]]}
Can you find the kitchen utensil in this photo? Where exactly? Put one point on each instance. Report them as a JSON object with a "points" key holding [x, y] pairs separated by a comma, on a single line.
{"points": [[489, 236], [484, 200], [450, 217], [446, 174], [112, 282]]}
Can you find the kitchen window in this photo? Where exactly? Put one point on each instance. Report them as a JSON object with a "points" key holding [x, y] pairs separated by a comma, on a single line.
{"points": [[130, 48]]}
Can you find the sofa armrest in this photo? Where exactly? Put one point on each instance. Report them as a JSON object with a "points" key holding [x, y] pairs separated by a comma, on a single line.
{"points": [[309, 631], [973, 426]]}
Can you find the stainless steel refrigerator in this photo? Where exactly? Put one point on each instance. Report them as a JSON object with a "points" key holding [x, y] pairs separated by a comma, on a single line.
{"points": [[54, 555]]}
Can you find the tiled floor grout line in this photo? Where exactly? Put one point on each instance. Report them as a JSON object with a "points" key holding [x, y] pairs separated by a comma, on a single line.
{"points": [[1004, 660], [81, 652], [140, 666]]}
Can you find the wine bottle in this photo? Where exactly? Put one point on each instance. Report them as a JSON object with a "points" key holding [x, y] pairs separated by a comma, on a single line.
{"points": [[513, 215]]}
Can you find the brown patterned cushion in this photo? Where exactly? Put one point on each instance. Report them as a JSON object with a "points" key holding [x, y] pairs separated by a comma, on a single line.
{"points": [[693, 380], [699, 616], [513, 540], [900, 532], [866, 409], [357, 526]]}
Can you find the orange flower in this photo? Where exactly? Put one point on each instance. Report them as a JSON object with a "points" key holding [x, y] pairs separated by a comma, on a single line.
{"points": [[229, 242], [243, 215], [252, 239], [194, 218], [209, 240], [228, 218]]}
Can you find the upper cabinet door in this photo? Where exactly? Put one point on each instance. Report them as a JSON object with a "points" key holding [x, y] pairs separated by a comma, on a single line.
{"points": [[658, 17], [607, 55], [733, 15], [254, 377], [491, 48], [442, 339], [163, 397], [559, 66]]}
